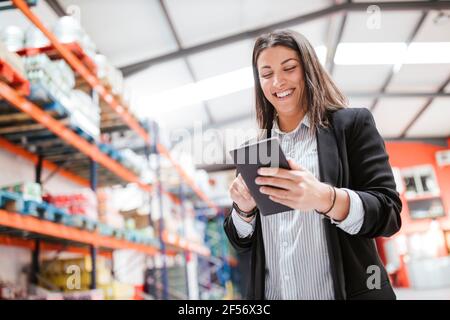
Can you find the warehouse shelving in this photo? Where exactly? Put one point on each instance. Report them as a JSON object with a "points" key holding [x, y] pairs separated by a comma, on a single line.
{"points": [[51, 51], [66, 134], [106, 95], [84, 154]]}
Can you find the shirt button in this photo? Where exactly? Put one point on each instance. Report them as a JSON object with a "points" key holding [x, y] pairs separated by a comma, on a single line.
{"points": [[286, 277], [285, 244]]}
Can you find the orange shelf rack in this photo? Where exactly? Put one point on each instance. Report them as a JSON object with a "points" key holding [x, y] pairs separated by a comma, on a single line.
{"points": [[13, 78], [59, 231], [96, 84], [51, 51], [68, 135]]}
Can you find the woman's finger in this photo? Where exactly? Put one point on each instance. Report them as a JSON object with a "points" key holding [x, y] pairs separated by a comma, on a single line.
{"points": [[241, 189], [279, 193], [295, 175], [236, 195], [277, 182], [243, 182]]}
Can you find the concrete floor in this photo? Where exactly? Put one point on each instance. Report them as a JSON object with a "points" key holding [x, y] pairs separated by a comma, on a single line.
{"points": [[428, 294]]}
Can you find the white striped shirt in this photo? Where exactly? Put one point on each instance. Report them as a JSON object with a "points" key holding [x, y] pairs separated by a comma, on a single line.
{"points": [[297, 261]]}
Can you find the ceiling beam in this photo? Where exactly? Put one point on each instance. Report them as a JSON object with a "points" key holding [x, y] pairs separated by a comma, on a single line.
{"points": [[425, 107], [336, 39], [394, 68], [56, 7], [185, 59], [251, 34]]}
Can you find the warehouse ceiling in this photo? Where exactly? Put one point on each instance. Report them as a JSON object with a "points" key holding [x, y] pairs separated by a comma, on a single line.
{"points": [[166, 44]]}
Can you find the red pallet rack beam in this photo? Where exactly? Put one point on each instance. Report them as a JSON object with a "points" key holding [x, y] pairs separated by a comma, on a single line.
{"points": [[52, 229]]}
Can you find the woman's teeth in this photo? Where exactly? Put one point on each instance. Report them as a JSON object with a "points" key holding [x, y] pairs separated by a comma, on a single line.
{"points": [[284, 93]]}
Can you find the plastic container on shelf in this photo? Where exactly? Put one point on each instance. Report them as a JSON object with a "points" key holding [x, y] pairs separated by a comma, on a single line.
{"points": [[67, 29], [13, 37], [12, 59], [34, 38]]}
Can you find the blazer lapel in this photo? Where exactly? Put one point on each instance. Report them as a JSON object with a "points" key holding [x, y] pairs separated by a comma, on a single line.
{"points": [[328, 153]]}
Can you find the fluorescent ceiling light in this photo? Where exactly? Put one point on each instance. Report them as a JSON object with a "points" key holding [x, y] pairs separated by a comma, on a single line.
{"points": [[395, 53], [197, 92], [369, 53], [428, 52]]}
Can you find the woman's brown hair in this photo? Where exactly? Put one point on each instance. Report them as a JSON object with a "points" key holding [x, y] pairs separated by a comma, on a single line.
{"points": [[322, 94]]}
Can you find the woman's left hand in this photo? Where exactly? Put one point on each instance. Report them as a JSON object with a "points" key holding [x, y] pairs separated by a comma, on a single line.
{"points": [[299, 187]]}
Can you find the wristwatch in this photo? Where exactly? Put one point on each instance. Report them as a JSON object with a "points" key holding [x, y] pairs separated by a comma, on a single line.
{"points": [[243, 213]]}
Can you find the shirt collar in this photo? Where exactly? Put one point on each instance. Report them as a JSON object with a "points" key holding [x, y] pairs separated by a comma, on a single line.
{"points": [[305, 122]]}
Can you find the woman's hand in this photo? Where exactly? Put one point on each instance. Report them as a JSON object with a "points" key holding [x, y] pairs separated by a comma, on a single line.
{"points": [[302, 190], [241, 196]]}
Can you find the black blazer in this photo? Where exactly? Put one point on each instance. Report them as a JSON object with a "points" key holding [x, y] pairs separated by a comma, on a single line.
{"points": [[351, 155]]}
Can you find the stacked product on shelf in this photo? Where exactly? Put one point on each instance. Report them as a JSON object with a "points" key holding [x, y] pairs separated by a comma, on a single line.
{"points": [[137, 221], [12, 59], [13, 37], [110, 76], [132, 161], [108, 213], [52, 83], [71, 275], [85, 114], [68, 30], [80, 208], [83, 203], [27, 190], [51, 80]]}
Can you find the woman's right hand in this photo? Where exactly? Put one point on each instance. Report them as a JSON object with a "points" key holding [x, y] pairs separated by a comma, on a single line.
{"points": [[240, 195]]}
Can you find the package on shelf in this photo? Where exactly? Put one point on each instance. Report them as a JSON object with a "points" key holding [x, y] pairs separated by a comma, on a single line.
{"points": [[118, 291], [60, 273], [34, 38], [80, 120], [13, 60], [68, 29], [82, 203], [28, 190], [109, 75], [13, 37], [107, 210], [132, 161], [135, 219], [55, 77]]}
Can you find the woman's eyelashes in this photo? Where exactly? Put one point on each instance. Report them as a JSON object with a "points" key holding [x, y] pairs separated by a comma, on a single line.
{"points": [[269, 74]]}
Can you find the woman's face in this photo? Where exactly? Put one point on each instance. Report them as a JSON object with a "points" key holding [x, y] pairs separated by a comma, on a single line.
{"points": [[281, 78]]}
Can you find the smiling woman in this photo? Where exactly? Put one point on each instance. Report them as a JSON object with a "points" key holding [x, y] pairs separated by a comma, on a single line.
{"points": [[340, 186]]}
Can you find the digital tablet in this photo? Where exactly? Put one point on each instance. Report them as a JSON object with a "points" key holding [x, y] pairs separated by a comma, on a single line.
{"points": [[249, 158]]}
